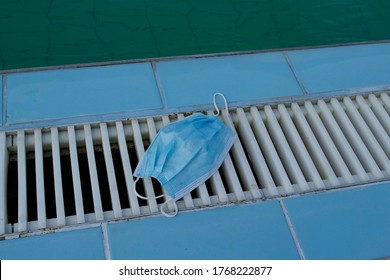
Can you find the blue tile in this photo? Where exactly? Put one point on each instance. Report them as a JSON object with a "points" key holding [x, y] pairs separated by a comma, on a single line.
{"points": [[257, 231], [86, 244], [66, 93], [348, 224], [244, 77], [337, 68]]}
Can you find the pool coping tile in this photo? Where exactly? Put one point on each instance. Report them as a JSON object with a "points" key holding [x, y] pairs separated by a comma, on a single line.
{"points": [[188, 82], [77, 244], [349, 223], [206, 234], [66, 93], [342, 67]]}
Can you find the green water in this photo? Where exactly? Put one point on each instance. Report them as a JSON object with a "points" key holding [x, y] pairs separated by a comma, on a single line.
{"points": [[37, 33]]}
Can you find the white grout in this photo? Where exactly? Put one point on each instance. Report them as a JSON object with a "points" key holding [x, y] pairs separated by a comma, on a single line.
{"points": [[292, 230], [106, 243]]}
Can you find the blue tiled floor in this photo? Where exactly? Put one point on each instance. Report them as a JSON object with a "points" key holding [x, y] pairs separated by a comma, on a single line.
{"points": [[330, 69], [86, 91], [83, 244], [347, 224], [257, 231], [193, 81]]}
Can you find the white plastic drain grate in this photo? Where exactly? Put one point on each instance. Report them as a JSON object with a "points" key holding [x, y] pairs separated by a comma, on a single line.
{"points": [[78, 174]]}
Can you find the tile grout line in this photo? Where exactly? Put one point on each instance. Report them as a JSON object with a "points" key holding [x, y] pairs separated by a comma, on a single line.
{"points": [[292, 230], [106, 244], [292, 68], [159, 86]]}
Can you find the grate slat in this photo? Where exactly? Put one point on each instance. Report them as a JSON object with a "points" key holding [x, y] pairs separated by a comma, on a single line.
{"points": [[76, 175], [217, 187], [22, 182], [386, 101], [97, 203], [39, 176], [273, 161], [203, 194], [313, 146], [243, 167], [298, 147], [232, 181], [254, 153], [342, 142], [375, 125], [284, 150], [3, 182], [367, 136], [230, 174], [112, 183], [353, 137], [328, 144], [140, 150], [127, 169], [59, 196], [380, 112]]}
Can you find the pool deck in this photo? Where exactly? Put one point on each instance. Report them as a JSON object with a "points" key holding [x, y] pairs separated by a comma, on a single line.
{"points": [[155, 87], [350, 223]]}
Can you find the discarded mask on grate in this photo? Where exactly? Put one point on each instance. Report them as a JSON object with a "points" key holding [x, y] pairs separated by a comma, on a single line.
{"points": [[185, 154]]}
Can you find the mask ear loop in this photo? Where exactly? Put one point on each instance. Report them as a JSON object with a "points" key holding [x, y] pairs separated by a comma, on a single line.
{"points": [[167, 214], [144, 197], [226, 108], [215, 102], [159, 196]]}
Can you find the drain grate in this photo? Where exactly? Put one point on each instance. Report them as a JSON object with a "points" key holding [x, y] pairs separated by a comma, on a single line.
{"points": [[60, 176]]}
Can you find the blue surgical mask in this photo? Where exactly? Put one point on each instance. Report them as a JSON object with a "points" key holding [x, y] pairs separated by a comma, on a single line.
{"points": [[186, 153]]}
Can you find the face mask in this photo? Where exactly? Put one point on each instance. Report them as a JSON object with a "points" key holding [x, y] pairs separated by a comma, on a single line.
{"points": [[185, 154]]}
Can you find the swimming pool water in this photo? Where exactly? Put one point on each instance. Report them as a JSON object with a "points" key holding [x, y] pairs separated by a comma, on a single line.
{"points": [[54, 32]]}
